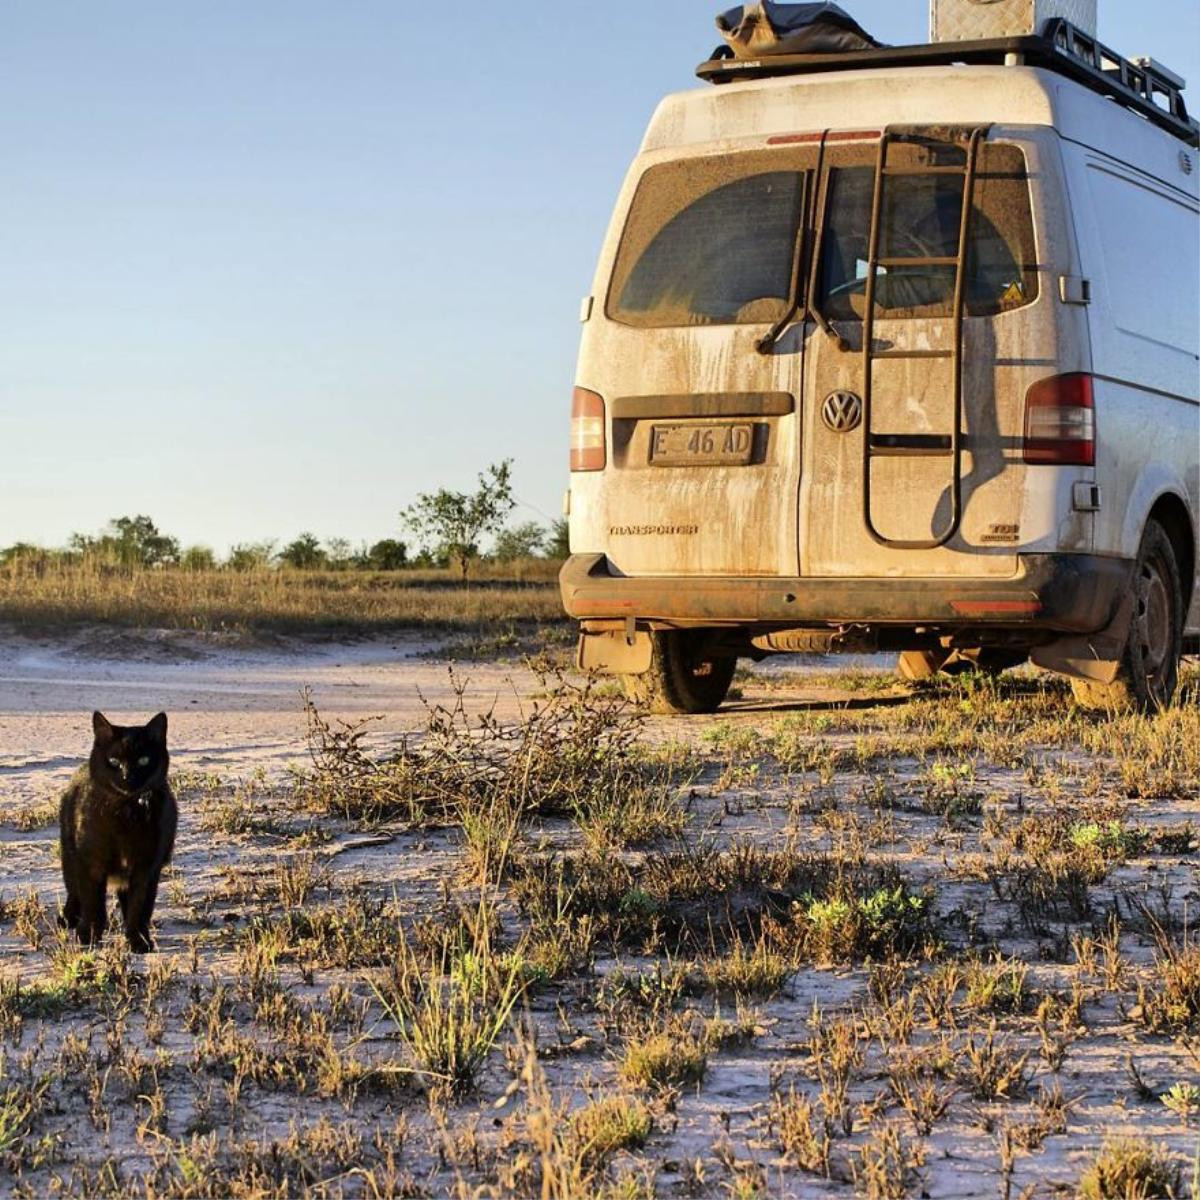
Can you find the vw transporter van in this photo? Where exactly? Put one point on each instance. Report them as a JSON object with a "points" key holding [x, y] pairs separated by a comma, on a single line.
{"points": [[897, 350]]}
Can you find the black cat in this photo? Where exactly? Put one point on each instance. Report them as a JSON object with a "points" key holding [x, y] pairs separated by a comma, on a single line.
{"points": [[117, 823]]}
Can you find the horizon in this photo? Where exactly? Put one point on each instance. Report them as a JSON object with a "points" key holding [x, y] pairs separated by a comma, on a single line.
{"points": [[84, 542], [277, 269]]}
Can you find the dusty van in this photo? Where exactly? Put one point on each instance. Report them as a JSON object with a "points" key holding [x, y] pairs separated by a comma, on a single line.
{"points": [[897, 350]]}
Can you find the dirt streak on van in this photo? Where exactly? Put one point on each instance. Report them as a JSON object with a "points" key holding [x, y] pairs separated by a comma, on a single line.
{"points": [[901, 357]]}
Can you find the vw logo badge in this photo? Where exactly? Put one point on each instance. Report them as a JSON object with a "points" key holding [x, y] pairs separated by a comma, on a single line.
{"points": [[842, 412]]}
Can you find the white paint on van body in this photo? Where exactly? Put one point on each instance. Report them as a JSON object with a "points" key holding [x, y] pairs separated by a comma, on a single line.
{"points": [[1109, 192]]}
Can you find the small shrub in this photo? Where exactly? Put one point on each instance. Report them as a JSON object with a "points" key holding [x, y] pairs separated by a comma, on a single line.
{"points": [[1183, 1100], [1111, 839], [1131, 1170], [1057, 887], [992, 1069], [884, 1168], [571, 1149], [20, 1106], [605, 1126], [450, 1010], [792, 1120], [919, 1092], [997, 987], [358, 931], [749, 969], [882, 924], [673, 1054], [655, 990], [1172, 1002], [836, 1057]]}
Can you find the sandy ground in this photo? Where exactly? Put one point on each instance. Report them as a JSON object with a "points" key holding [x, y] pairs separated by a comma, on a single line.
{"points": [[232, 711], [235, 713]]}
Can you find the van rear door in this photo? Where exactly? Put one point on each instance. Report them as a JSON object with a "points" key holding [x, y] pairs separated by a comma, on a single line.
{"points": [[878, 492], [704, 454]]}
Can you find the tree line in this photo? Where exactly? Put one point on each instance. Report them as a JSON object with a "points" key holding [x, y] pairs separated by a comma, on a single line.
{"points": [[449, 529]]}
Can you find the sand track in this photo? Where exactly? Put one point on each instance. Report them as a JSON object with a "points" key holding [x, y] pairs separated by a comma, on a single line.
{"points": [[232, 711]]}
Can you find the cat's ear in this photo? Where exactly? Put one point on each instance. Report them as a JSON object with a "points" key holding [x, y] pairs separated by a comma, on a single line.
{"points": [[157, 728], [101, 727]]}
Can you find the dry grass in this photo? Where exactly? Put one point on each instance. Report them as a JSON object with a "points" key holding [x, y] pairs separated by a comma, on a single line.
{"points": [[1132, 1170], [674, 1053], [278, 601], [574, 753], [531, 977], [451, 1006]]}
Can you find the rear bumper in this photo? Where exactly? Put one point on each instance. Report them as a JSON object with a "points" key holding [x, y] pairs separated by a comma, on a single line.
{"points": [[1062, 593]]}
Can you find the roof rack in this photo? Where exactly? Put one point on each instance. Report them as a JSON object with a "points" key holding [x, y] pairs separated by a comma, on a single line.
{"points": [[1142, 86]]}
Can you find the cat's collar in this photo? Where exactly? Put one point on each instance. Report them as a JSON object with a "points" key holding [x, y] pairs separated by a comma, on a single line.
{"points": [[138, 805]]}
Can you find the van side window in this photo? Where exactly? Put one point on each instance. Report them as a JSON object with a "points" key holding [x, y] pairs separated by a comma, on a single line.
{"points": [[709, 242], [920, 219]]}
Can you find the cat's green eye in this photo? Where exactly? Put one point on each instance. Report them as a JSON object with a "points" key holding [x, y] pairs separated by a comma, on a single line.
{"points": [[144, 761], [114, 763]]}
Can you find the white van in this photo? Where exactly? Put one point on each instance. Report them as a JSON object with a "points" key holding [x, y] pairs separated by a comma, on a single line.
{"points": [[897, 350]]}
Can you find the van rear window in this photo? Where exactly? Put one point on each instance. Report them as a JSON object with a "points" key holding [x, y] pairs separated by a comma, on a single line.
{"points": [[713, 240], [709, 242], [921, 219]]}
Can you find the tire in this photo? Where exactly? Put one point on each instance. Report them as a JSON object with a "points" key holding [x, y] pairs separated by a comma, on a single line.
{"points": [[679, 681], [1149, 671]]}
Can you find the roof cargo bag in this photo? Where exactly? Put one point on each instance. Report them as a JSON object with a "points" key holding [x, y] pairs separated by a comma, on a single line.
{"points": [[755, 30]]}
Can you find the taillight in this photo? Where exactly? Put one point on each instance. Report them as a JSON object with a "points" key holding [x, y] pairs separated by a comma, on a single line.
{"points": [[588, 451], [1060, 422]]}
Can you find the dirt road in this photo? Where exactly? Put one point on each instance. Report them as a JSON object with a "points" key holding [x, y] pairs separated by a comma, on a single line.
{"points": [[232, 710], [235, 710]]}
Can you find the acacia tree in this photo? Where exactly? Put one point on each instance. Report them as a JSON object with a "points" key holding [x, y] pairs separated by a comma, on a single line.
{"points": [[455, 521], [250, 556], [525, 541], [304, 554], [131, 541], [387, 555], [340, 553]]}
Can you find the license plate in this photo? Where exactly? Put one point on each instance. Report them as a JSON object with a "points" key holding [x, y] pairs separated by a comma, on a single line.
{"points": [[701, 445]]}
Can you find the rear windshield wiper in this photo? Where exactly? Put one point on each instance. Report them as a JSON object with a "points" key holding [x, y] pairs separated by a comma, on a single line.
{"points": [[812, 309], [767, 342]]}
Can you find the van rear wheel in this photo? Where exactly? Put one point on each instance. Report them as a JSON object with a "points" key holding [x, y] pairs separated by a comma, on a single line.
{"points": [[681, 679], [1149, 670]]}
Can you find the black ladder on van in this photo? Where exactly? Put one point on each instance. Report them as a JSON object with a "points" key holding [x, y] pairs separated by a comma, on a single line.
{"points": [[893, 445]]}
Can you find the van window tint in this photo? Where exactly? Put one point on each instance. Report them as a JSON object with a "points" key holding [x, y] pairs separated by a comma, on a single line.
{"points": [[709, 242], [921, 219]]}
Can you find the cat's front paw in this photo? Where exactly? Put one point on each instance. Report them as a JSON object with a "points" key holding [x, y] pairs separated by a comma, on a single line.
{"points": [[140, 943]]}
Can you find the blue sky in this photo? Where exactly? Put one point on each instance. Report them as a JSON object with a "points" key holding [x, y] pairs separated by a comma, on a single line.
{"points": [[273, 265]]}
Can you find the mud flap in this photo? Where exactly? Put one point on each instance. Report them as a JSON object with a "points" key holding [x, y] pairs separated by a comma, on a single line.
{"points": [[615, 653], [919, 665], [1096, 656]]}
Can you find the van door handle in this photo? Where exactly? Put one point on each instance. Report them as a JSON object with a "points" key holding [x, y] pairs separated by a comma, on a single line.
{"points": [[1074, 289]]}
